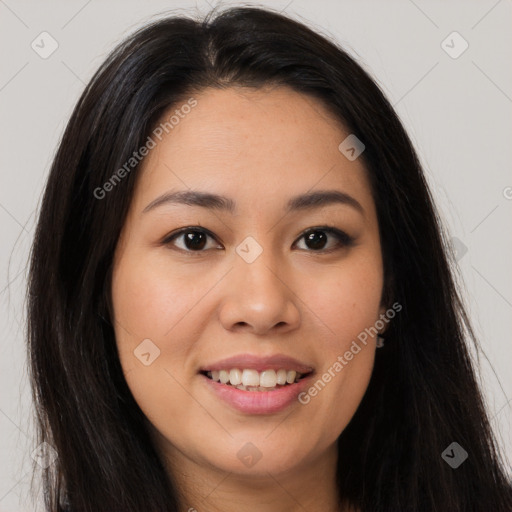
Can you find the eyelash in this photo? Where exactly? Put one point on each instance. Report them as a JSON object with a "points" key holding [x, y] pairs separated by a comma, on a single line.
{"points": [[344, 240]]}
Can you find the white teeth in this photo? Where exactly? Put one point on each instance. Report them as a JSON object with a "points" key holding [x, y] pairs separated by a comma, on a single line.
{"points": [[290, 376], [281, 377], [268, 379], [235, 377], [252, 380]]}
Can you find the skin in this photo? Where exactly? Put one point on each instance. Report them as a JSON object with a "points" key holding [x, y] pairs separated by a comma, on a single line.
{"points": [[258, 147]]}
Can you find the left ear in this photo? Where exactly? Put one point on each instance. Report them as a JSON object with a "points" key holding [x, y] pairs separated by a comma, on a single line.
{"points": [[382, 311]]}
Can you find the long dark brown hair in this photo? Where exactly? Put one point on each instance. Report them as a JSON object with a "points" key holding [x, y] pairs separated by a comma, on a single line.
{"points": [[423, 394]]}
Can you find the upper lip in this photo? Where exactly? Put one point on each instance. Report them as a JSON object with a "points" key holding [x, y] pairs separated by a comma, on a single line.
{"points": [[259, 363]]}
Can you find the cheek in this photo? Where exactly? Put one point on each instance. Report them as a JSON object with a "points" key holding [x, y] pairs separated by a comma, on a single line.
{"points": [[346, 298], [150, 298], [153, 301], [152, 304], [347, 307], [346, 301]]}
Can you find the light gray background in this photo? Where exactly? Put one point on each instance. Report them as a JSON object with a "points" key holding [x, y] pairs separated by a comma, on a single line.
{"points": [[457, 111]]}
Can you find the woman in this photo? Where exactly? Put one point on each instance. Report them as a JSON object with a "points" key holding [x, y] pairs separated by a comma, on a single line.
{"points": [[240, 296]]}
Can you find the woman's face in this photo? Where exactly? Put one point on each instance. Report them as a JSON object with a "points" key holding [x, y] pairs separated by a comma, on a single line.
{"points": [[258, 279]]}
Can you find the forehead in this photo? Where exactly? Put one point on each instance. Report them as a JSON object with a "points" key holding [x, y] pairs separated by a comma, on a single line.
{"points": [[265, 144]]}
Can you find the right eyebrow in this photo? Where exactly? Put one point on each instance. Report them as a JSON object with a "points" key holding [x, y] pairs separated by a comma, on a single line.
{"points": [[193, 198]]}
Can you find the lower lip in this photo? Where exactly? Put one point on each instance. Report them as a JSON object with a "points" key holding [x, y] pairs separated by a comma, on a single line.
{"points": [[258, 402]]}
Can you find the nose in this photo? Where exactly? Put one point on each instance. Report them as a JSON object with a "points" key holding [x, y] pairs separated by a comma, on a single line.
{"points": [[260, 299]]}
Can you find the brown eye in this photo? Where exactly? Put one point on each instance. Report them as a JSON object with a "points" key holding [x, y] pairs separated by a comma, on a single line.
{"points": [[193, 239], [316, 239]]}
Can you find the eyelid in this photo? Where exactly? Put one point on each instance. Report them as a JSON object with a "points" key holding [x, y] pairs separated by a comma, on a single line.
{"points": [[175, 234], [344, 239]]}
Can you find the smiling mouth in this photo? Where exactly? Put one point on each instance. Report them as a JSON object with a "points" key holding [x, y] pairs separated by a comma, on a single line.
{"points": [[252, 380]]}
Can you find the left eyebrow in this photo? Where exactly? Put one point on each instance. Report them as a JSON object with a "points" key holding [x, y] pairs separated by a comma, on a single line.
{"points": [[318, 199], [307, 201]]}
